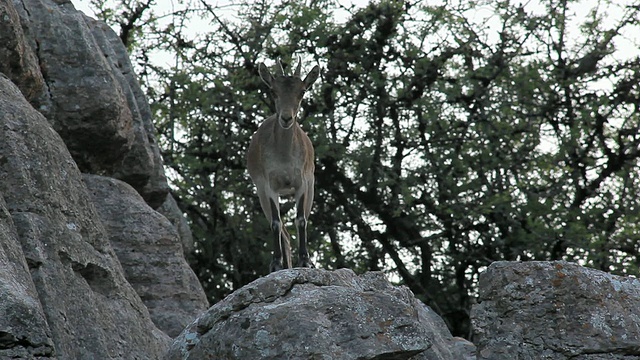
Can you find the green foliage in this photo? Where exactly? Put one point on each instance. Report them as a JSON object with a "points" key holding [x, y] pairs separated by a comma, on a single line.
{"points": [[442, 144]]}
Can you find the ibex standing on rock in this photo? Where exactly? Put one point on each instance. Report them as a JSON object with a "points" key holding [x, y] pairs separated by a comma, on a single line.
{"points": [[281, 162]]}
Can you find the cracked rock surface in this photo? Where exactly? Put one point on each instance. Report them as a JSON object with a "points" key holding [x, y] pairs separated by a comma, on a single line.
{"points": [[556, 310], [317, 314]]}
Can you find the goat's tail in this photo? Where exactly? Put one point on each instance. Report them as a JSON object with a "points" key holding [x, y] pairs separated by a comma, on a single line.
{"points": [[285, 245]]}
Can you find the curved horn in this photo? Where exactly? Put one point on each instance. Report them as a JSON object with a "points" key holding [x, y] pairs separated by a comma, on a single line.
{"points": [[297, 73], [280, 68]]}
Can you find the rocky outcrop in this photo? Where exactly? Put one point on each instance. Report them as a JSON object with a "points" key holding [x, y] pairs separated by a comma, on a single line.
{"points": [[556, 310], [530, 310], [70, 103], [318, 314], [76, 72], [79, 303], [150, 252]]}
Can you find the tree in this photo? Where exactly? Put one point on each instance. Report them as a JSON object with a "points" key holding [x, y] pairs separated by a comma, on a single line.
{"points": [[441, 145]]}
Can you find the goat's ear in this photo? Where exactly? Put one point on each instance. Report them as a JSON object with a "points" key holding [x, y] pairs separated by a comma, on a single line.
{"points": [[265, 75], [311, 77]]}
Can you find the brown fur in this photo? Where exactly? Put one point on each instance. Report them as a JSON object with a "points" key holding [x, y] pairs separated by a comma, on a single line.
{"points": [[280, 161]]}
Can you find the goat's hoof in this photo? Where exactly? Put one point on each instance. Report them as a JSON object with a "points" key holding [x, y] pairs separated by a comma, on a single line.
{"points": [[306, 263]]}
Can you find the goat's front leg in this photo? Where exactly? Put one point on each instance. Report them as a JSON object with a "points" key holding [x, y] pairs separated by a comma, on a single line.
{"points": [[276, 229], [301, 227]]}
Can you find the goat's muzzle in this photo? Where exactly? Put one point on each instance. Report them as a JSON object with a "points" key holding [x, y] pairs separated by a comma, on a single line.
{"points": [[286, 121]]}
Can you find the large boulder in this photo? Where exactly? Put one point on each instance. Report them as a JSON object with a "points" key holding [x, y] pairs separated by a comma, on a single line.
{"points": [[318, 314], [150, 251], [70, 103], [91, 311], [85, 103], [141, 165], [76, 72], [556, 310]]}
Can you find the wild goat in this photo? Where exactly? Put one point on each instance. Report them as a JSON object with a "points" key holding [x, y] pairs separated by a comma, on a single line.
{"points": [[280, 161]]}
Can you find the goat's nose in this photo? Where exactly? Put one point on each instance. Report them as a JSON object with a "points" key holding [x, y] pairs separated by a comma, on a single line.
{"points": [[286, 116]]}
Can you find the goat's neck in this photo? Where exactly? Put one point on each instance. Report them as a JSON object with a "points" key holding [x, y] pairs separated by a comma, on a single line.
{"points": [[284, 138]]}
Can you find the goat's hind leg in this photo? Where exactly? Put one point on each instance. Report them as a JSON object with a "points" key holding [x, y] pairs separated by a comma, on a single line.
{"points": [[285, 244]]}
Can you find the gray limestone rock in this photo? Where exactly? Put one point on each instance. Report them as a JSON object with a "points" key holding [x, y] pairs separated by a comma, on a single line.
{"points": [[91, 311], [141, 166], [24, 332], [556, 310], [19, 62], [76, 72], [69, 100], [172, 212], [317, 314], [85, 104], [150, 252]]}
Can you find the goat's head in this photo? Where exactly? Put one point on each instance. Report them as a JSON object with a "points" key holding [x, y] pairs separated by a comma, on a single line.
{"points": [[287, 91]]}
